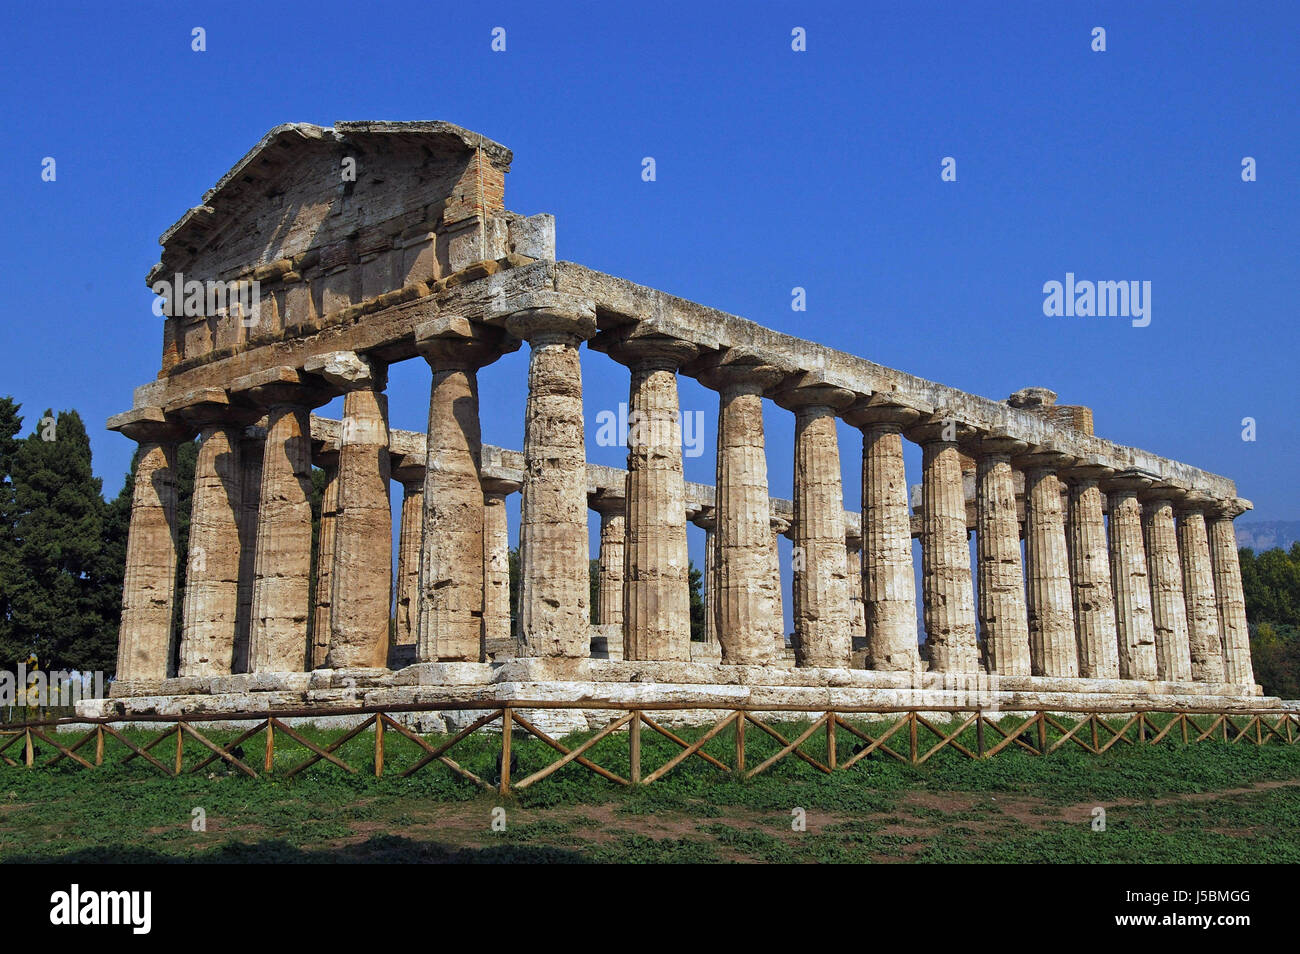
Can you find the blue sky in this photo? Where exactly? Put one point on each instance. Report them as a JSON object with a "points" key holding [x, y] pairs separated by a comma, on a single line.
{"points": [[775, 169]]}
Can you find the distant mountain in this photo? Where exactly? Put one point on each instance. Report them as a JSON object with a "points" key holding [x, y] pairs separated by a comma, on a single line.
{"points": [[1261, 535]]}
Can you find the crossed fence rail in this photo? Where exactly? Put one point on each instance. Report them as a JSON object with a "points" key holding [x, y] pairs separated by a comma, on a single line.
{"points": [[918, 737]]}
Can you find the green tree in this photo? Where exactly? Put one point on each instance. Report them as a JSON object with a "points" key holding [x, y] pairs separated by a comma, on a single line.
{"points": [[57, 591], [11, 423], [695, 578], [1271, 585]]}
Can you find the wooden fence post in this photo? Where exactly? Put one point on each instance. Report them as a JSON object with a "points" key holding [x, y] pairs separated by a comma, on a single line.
{"points": [[379, 745], [507, 720], [634, 746]]}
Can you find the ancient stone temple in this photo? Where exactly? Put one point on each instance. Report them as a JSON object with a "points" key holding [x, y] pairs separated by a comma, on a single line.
{"points": [[1099, 573]]}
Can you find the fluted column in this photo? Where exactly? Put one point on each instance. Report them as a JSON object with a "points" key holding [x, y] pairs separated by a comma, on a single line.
{"points": [[361, 579], [452, 551], [888, 576], [410, 524], [1003, 615], [747, 610], [497, 639], [144, 648], [781, 527], [1224, 562], [609, 583], [945, 554], [328, 461], [554, 613], [1052, 644], [1128, 565], [853, 575], [1205, 645], [252, 448], [1168, 608], [1094, 597], [820, 591], [706, 520], [211, 606], [282, 568], [656, 588]]}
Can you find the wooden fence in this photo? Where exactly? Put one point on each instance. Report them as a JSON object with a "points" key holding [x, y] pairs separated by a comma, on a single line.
{"points": [[899, 733]]}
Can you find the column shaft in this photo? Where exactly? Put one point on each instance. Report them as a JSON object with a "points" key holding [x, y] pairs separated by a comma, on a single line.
{"points": [[148, 592], [1168, 608], [1002, 612], [747, 608], [361, 582], [325, 546], [211, 606], [889, 579], [609, 604], [407, 584], [945, 562], [496, 576], [820, 591], [1052, 645], [1204, 642], [1094, 598], [452, 556], [1231, 603], [281, 581], [1128, 563], [656, 594]]}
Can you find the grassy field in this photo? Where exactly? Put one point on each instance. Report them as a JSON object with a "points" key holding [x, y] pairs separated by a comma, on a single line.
{"points": [[1207, 802]]}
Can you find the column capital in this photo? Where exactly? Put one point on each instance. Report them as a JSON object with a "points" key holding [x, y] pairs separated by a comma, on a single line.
{"points": [[1042, 458], [706, 518], [642, 349], [1194, 501], [453, 342], [406, 470], [543, 314], [1128, 481], [280, 386], [876, 411], [1163, 490], [145, 424], [208, 407], [1232, 507], [981, 444], [781, 525], [1086, 471], [808, 390], [939, 427], [348, 370], [500, 486], [607, 500], [738, 368]]}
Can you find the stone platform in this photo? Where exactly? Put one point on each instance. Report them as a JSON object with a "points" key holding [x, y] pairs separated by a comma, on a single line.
{"points": [[487, 685]]}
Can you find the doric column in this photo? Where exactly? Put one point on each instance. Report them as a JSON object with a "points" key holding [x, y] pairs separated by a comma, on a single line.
{"points": [[1128, 570], [781, 527], [613, 537], [945, 553], [144, 648], [888, 575], [1168, 608], [452, 551], [410, 474], [820, 590], [1228, 596], [747, 614], [853, 574], [1094, 597], [1052, 643], [282, 569], [211, 604], [497, 639], [361, 580], [706, 519], [656, 587], [327, 459], [554, 613], [1204, 642], [252, 448], [1003, 616]]}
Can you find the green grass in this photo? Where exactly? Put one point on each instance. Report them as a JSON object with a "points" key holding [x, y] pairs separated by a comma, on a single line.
{"points": [[1207, 802]]}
